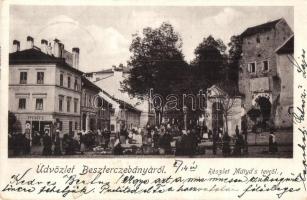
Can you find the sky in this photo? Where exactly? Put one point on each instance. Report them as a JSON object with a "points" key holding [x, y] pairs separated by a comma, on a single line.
{"points": [[104, 33]]}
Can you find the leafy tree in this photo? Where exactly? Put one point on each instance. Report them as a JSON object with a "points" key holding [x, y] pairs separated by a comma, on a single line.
{"points": [[235, 52], [157, 62], [208, 65]]}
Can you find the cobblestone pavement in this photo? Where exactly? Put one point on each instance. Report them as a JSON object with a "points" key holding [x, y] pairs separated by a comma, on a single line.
{"points": [[258, 147]]}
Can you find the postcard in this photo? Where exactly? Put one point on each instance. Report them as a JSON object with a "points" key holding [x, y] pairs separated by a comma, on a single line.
{"points": [[153, 100]]}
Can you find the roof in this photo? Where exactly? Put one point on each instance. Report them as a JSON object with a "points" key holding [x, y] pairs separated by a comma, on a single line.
{"points": [[103, 71], [126, 105], [122, 103], [89, 84], [35, 56], [287, 47], [228, 87], [110, 70], [260, 28]]}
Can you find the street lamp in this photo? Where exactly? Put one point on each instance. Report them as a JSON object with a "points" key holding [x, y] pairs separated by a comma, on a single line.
{"points": [[185, 112]]}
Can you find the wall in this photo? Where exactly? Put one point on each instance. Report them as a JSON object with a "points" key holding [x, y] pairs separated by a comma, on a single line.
{"points": [[234, 117], [73, 93], [285, 72], [31, 90]]}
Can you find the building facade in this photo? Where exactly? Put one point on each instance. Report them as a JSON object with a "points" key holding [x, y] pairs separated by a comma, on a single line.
{"points": [[94, 109], [44, 90], [283, 116], [224, 110], [122, 114], [259, 80], [110, 80]]}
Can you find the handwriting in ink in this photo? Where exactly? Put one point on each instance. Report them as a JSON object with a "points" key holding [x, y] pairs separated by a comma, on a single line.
{"points": [[180, 166], [301, 68], [299, 113], [303, 131]]}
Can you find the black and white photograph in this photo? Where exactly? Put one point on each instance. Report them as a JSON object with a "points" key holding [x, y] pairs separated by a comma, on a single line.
{"points": [[150, 81]]}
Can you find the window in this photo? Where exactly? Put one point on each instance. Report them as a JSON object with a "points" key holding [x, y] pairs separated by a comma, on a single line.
{"points": [[265, 65], [76, 105], [68, 81], [258, 39], [61, 125], [68, 104], [22, 104], [40, 77], [61, 79], [60, 103], [76, 125], [76, 84], [39, 104], [23, 77], [89, 101], [252, 67]]}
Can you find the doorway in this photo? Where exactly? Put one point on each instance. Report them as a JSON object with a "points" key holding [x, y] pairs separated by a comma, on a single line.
{"points": [[265, 107]]}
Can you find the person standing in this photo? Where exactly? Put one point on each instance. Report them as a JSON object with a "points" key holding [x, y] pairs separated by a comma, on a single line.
{"points": [[99, 137], [238, 144], [226, 146], [27, 142], [215, 140], [57, 145], [117, 150], [47, 144], [107, 137], [81, 142], [194, 141], [272, 142]]}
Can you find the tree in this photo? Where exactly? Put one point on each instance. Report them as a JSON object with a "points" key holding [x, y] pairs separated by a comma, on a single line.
{"points": [[156, 63], [235, 54], [208, 65]]}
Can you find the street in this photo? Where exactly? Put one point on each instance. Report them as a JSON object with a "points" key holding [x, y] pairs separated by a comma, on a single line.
{"points": [[257, 148]]}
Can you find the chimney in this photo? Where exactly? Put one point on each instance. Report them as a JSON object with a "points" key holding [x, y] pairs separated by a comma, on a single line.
{"points": [[44, 46], [49, 48], [61, 50], [30, 42], [75, 57], [56, 48], [16, 45]]}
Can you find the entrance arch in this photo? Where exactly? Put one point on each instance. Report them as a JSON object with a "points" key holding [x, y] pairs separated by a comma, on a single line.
{"points": [[265, 107]]}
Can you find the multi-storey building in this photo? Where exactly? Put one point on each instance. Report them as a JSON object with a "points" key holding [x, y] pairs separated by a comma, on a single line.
{"points": [[95, 110], [259, 77], [45, 86], [110, 80], [122, 114]]}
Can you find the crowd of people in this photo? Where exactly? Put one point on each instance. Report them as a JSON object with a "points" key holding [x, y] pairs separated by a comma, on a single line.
{"points": [[170, 139], [165, 139]]}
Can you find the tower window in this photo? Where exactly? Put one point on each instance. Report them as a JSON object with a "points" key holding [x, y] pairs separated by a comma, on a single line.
{"points": [[258, 39], [252, 67], [265, 65]]}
